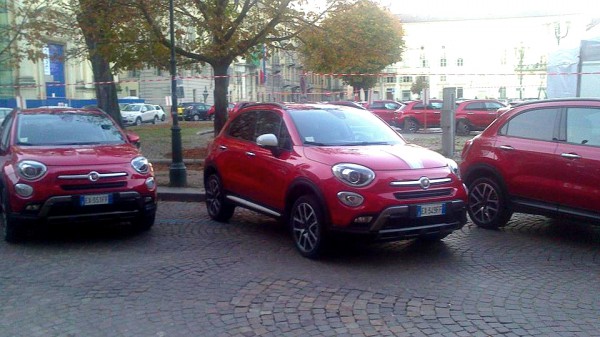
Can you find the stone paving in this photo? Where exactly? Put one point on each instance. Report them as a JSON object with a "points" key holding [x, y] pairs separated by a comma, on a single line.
{"points": [[190, 276]]}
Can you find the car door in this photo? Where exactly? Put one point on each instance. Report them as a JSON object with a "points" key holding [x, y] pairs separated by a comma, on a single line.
{"points": [[270, 168], [433, 112], [490, 113], [234, 161], [476, 113], [579, 159], [148, 112], [526, 146]]}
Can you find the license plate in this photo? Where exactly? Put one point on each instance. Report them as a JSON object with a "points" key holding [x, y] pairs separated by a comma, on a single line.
{"points": [[95, 199], [431, 210]]}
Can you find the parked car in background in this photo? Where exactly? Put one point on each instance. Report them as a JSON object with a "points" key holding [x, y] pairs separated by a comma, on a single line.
{"points": [[540, 157], [71, 165], [196, 112], [162, 115], [415, 115], [211, 110], [386, 110], [475, 115], [138, 113], [4, 112], [331, 170], [181, 107]]}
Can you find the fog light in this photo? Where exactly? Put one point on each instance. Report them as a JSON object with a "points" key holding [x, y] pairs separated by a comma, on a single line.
{"points": [[23, 190], [150, 183], [32, 207], [363, 219], [350, 199]]}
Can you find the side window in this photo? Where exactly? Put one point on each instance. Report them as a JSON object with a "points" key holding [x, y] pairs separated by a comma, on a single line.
{"points": [[267, 122], [5, 132], [377, 105], [435, 105], [475, 106], [532, 124], [583, 126], [243, 126], [493, 106], [418, 106]]}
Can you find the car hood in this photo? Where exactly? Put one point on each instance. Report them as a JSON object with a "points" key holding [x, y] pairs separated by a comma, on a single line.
{"points": [[378, 157], [78, 155], [129, 113]]}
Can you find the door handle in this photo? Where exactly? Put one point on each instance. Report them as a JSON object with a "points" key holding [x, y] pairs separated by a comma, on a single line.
{"points": [[222, 147], [506, 147], [570, 155], [250, 154]]}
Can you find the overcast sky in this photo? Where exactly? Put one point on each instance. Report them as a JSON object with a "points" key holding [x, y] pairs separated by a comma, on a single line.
{"points": [[486, 8]]}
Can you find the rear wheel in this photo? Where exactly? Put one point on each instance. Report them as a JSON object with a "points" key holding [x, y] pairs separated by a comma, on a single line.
{"points": [[138, 121], [11, 230], [163, 117], [487, 204], [411, 126], [463, 128], [217, 206], [196, 117], [307, 224], [155, 120]]}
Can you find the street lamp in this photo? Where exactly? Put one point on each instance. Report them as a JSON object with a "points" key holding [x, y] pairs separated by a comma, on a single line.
{"points": [[205, 94], [177, 171]]}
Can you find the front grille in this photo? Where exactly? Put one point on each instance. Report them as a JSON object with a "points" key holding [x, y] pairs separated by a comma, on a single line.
{"points": [[423, 194], [93, 186]]}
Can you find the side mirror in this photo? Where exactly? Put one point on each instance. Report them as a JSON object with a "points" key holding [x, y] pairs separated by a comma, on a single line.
{"points": [[269, 141], [133, 138]]}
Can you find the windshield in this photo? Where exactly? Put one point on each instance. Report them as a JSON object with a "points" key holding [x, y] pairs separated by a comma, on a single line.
{"points": [[343, 126], [67, 129], [132, 107]]}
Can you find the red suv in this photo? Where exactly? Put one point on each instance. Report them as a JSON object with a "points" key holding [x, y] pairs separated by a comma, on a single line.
{"points": [[415, 115], [386, 110], [66, 165], [324, 168], [541, 157], [475, 115]]}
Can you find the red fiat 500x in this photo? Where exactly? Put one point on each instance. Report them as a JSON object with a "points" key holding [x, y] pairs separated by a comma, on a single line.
{"points": [[323, 169], [66, 165]]}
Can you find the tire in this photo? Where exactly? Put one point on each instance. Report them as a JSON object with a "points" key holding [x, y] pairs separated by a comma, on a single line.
{"points": [[307, 225], [163, 117], [155, 119], [12, 231], [145, 222], [463, 128], [218, 207], [196, 118], [138, 121], [410, 126], [487, 204]]}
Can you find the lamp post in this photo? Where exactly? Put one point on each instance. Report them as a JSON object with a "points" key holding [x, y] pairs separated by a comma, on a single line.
{"points": [[177, 171], [205, 94]]}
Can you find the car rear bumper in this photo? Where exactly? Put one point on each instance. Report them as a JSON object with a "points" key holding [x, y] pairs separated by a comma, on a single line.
{"points": [[125, 206], [402, 222]]}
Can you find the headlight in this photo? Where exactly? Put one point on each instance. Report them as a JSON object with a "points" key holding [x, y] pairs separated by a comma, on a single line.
{"points": [[353, 175], [31, 170], [454, 167], [140, 164]]}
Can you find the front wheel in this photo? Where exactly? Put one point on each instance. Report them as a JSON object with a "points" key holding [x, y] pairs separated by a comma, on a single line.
{"points": [[307, 224], [12, 231], [196, 118], [217, 206], [487, 204], [155, 120], [145, 222], [410, 126]]}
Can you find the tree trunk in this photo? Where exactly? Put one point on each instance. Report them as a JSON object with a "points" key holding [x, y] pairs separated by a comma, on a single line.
{"points": [[220, 95]]}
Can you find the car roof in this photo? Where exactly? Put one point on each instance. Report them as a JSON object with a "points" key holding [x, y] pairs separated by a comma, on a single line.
{"points": [[43, 110]]}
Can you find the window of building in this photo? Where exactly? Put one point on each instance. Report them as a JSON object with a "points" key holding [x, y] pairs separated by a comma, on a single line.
{"points": [[443, 62], [459, 92], [390, 79], [460, 62], [443, 78], [407, 79]]}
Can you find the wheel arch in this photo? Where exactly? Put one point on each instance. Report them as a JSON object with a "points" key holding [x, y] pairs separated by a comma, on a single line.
{"points": [[300, 187], [482, 170]]}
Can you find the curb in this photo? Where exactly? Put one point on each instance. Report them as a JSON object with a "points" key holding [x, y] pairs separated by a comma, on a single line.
{"points": [[181, 194]]}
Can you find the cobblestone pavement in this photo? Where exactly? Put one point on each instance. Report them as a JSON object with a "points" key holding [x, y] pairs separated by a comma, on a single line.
{"points": [[190, 276]]}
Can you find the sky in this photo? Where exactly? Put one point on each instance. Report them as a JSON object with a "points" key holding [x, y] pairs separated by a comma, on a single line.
{"points": [[484, 8]]}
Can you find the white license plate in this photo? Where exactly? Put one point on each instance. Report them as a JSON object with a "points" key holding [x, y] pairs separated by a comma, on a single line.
{"points": [[95, 199], [431, 210]]}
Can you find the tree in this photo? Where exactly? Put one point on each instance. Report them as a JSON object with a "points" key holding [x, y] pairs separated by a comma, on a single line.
{"points": [[220, 31], [419, 84], [362, 38]]}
